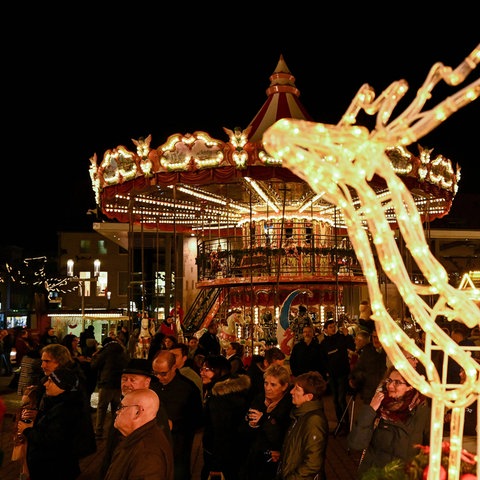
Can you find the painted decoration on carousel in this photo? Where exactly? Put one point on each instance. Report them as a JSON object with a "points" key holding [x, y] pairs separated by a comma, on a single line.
{"points": [[336, 159], [145, 338], [285, 335], [190, 152]]}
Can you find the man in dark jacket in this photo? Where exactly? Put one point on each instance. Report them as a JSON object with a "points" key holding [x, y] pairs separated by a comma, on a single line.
{"points": [[209, 342], [370, 367], [180, 397], [334, 351], [109, 363], [306, 355]]}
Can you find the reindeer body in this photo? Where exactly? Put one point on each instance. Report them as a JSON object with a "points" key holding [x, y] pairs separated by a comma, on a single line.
{"points": [[339, 161]]}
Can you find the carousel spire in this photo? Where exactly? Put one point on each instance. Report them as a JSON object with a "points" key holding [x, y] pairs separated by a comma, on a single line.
{"points": [[282, 102]]}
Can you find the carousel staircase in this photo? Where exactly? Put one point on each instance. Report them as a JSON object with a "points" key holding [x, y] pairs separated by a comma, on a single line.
{"points": [[205, 304]]}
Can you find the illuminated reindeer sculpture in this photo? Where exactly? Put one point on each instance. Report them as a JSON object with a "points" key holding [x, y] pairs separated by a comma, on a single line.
{"points": [[338, 161]]}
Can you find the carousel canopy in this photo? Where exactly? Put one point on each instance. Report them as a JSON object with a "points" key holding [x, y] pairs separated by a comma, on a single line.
{"points": [[193, 180]]}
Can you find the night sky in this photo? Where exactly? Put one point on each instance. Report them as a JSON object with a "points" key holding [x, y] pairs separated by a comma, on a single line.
{"points": [[83, 82]]}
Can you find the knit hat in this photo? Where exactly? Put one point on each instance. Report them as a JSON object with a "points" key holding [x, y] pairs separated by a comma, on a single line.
{"points": [[65, 379], [139, 366]]}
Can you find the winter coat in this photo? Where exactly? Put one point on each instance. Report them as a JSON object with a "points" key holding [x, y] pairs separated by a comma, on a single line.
{"points": [[368, 371], [306, 357], [115, 437], [145, 453], [210, 343], [109, 363], [51, 449], [334, 350], [256, 372], [226, 405], [184, 409], [389, 440], [305, 446], [266, 437]]}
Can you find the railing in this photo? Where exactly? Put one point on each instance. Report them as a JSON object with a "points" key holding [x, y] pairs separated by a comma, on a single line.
{"points": [[199, 309], [323, 255]]}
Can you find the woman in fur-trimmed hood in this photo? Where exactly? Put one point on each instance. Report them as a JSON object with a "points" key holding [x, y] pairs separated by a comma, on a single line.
{"points": [[226, 399]]}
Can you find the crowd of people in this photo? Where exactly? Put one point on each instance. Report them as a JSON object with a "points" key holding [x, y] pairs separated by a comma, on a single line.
{"points": [[258, 418]]}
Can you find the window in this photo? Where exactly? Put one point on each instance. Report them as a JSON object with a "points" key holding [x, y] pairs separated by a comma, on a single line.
{"points": [[86, 285], [17, 321], [102, 282], [85, 246], [102, 247]]}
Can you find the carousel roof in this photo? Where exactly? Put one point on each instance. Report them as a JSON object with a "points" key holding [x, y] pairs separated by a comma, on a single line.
{"points": [[282, 102], [193, 180]]}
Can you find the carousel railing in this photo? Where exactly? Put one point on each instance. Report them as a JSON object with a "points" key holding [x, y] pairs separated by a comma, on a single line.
{"points": [[322, 255], [199, 309]]}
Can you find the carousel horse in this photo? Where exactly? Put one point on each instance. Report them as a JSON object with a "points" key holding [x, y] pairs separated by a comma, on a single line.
{"points": [[144, 339], [228, 332], [341, 160]]}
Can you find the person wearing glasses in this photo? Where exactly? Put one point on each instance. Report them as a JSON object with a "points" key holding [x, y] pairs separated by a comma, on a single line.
{"points": [[137, 375], [397, 419], [184, 409], [145, 451]]}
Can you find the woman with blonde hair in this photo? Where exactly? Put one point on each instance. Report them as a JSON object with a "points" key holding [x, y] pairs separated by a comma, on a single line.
{"points": [[266, 424]]}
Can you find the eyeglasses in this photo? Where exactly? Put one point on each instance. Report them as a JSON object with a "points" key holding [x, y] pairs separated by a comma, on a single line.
{"points": [[161, 374], [395, 383], [121, 407], [206, 369]]}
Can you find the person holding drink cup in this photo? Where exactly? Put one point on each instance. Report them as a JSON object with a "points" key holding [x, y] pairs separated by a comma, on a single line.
{"points": [[266, 424], [50, 430]]}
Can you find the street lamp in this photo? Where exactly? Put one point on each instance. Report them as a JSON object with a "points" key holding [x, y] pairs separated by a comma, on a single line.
{"points": [[81, 282]]}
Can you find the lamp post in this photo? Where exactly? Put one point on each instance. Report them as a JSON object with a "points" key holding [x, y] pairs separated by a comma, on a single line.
{"points": [[81, 282]]}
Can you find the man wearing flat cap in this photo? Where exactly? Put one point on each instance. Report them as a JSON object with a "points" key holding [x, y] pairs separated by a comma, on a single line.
{"points": [[135, 376]]}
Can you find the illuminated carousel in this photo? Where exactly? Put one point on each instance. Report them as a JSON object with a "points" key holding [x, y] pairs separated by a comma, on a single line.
{"points": [[277, 209], [265, 240]]}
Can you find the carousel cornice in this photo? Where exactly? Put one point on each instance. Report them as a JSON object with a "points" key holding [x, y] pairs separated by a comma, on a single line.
{"points": [[193, 178], [127, 190]]}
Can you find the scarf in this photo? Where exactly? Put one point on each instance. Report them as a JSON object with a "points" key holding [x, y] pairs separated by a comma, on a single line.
{"points": [[270, 404], [400, 409]]}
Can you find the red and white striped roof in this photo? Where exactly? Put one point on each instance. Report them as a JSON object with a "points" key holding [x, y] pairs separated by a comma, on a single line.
{"points": [[282, 102]]}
